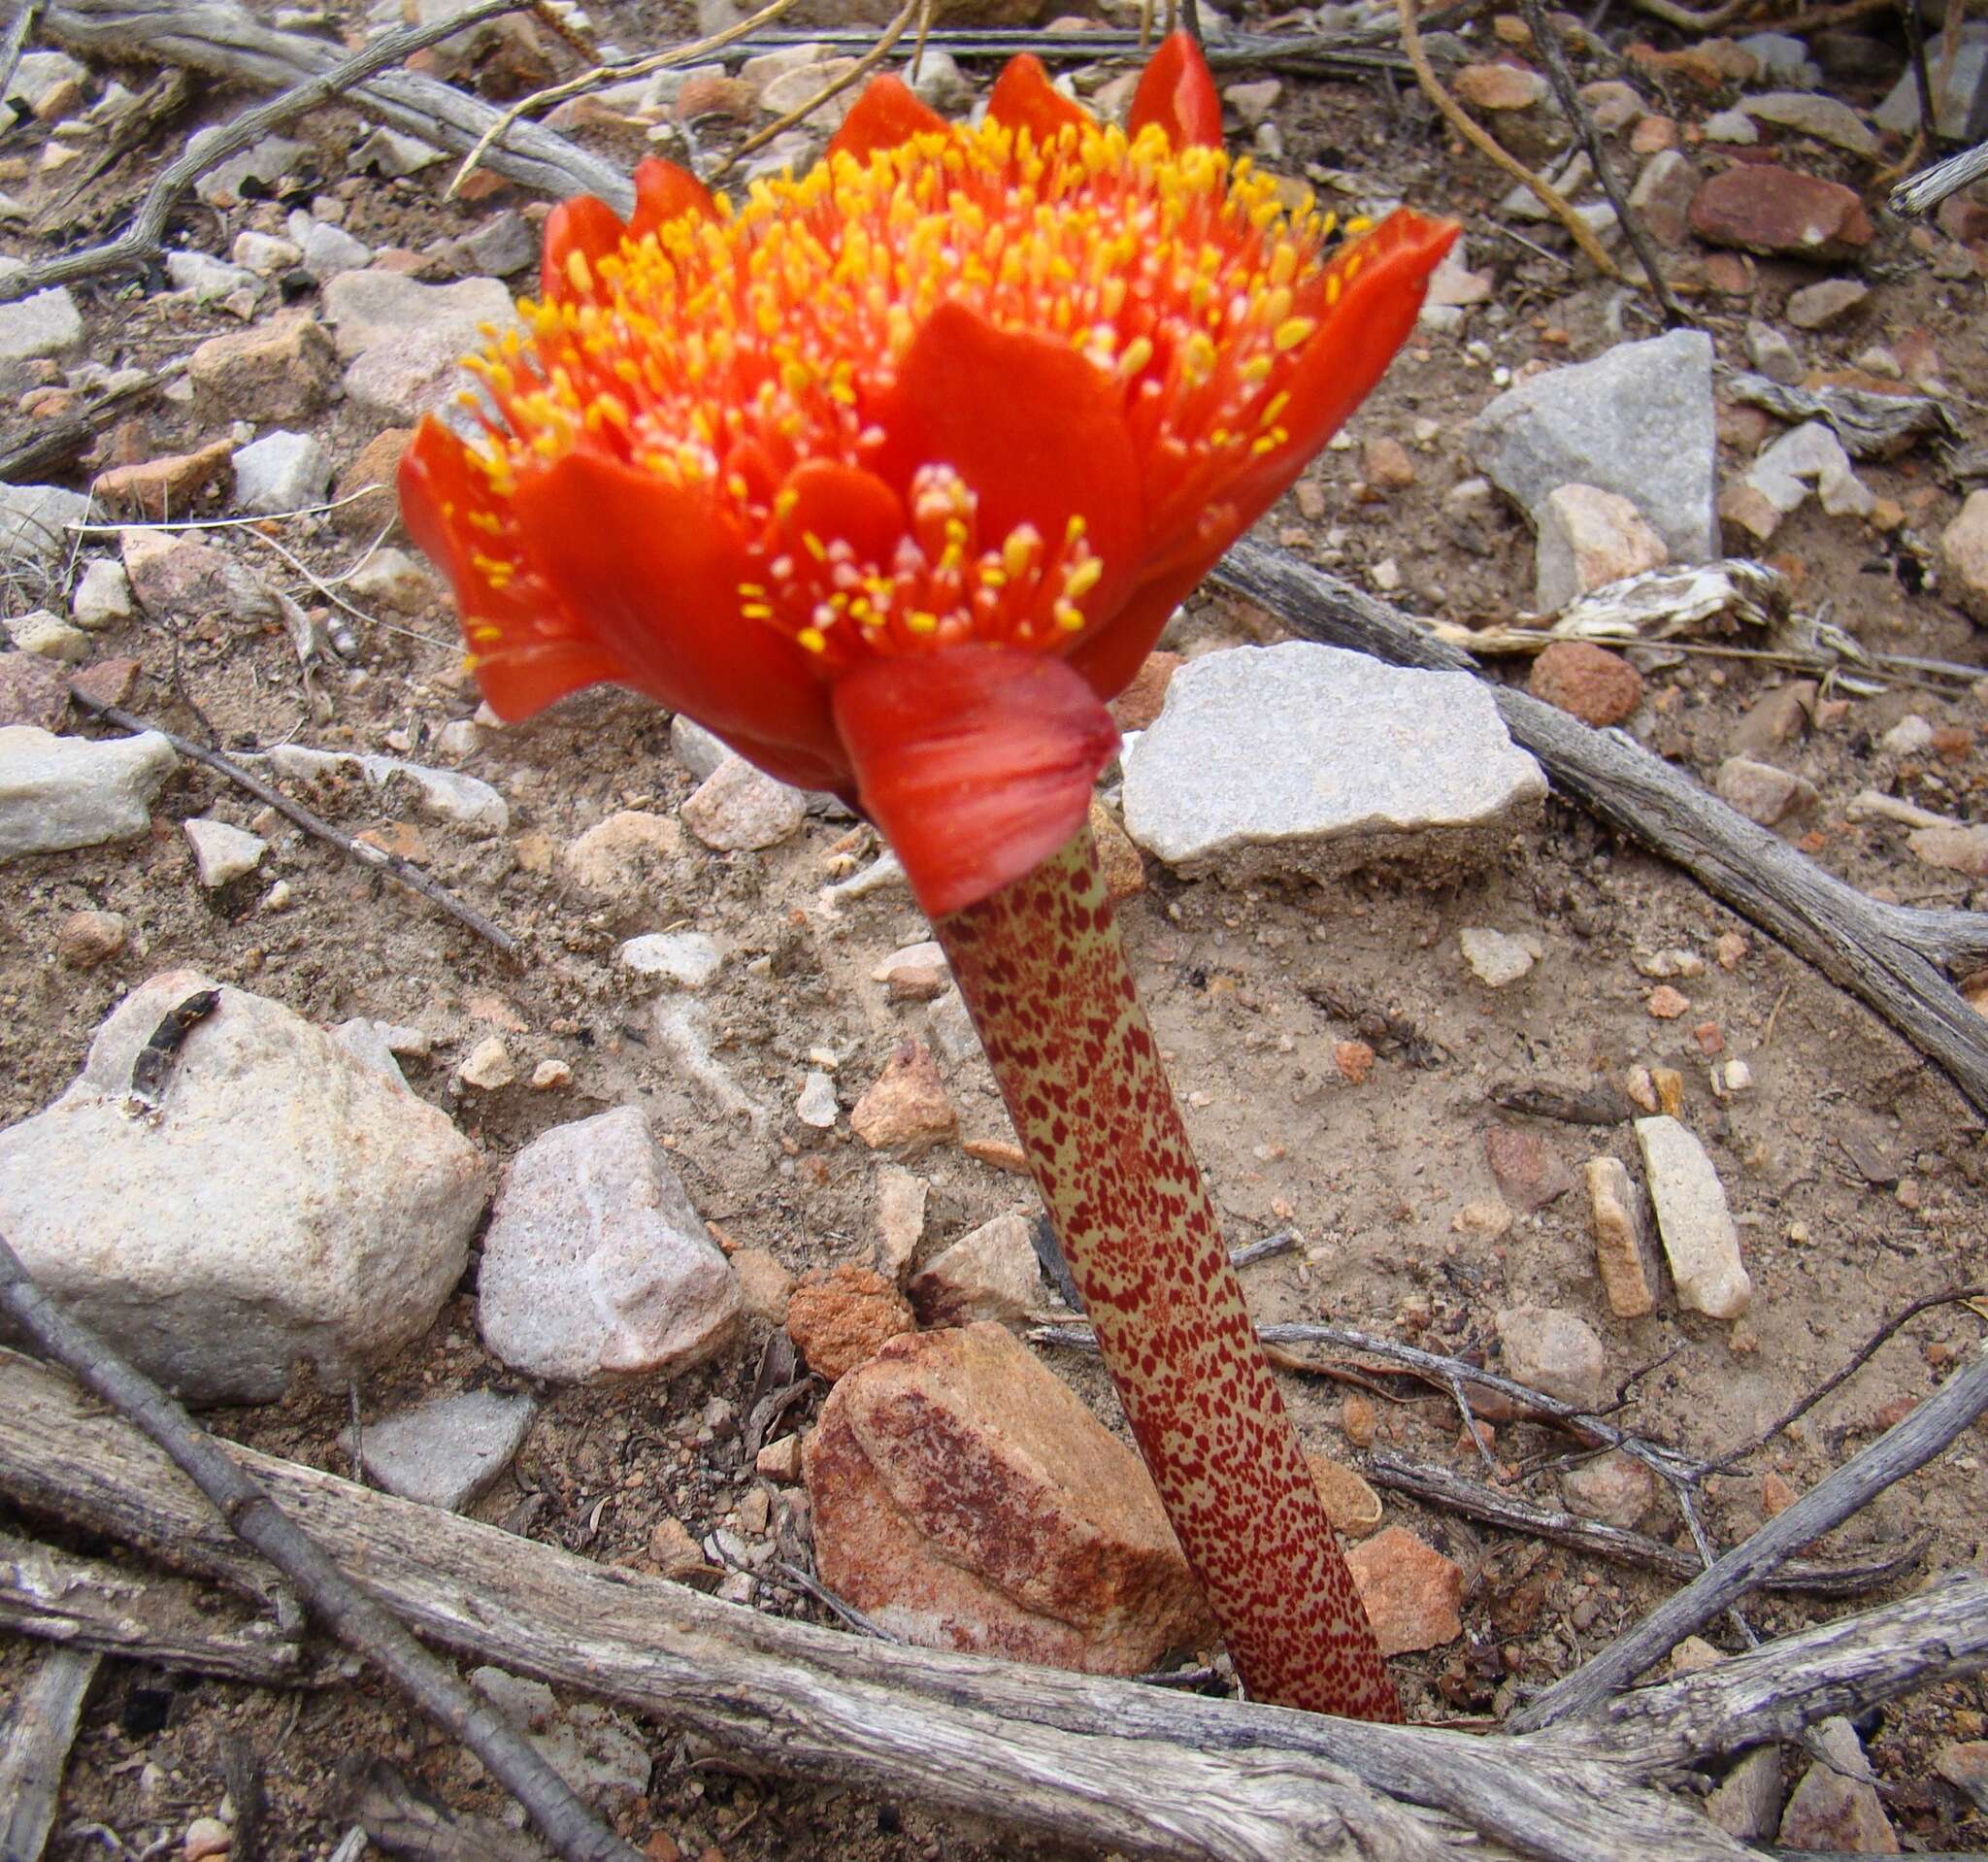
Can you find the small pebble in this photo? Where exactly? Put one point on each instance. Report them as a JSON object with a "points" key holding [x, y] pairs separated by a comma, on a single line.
{"points": [[489, 1065]]}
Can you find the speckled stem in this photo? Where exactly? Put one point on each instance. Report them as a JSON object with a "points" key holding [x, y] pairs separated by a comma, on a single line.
{"points": [[1041, 968]]}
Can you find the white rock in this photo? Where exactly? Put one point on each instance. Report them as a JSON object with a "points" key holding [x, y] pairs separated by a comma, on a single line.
{"points": [[489, 1067], [48, 636], [33, 521], [37, 72], [1615, 1212], [447, 1452], [280, 472], [446, 795], [367, 309], [221, 851], [267, 161], [596, 1262], [208, 280], [900, 1218], [1779, 479], [330, 251], [1313, 760], [739, 808], [1701, 1241], [264, 254], [1555, 1353], [1909, 735], [818, 1105], [283, 1204], [393, 578], [1589, 538], [44, 324], [687, 958], [990, 1273], [1495, 957], [59, 792], [103, 596], [952, 1028], [458, 739]]}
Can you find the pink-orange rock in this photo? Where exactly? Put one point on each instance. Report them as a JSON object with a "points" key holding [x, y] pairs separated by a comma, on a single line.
{"points": [[965, 1498], [1350, 1503], [906, 1108], [162, 489], [843, 1317], [1139, 704], [1762, 207], [1412, 1592], [1587, 682]]}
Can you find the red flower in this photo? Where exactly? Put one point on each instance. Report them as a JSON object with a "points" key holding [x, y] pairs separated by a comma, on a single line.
{"points": [[891, 474]]}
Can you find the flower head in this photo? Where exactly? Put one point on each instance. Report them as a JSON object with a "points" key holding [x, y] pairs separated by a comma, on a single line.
{"points": [[890, 472]]}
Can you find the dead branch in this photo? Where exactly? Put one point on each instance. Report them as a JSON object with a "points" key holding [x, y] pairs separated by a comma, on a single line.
{"points": [[1089, 1760], [356, 1619], [1924, 190], [1957, 1405], [224, 40], [89, 1603], [1888, 955], [1496, 1506], [39, 1733], [141, 242], [379, 859]]}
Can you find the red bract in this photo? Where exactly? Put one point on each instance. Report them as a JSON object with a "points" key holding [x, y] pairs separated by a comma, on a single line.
{"points": [[891, 474]]}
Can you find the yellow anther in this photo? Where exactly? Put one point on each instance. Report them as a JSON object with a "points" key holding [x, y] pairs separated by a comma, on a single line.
{"points": [[1292, 331], [1081, 579], [1137, 353], [756, 610], [579, 273], [812, 639], [920, 622], [1067, 617]]}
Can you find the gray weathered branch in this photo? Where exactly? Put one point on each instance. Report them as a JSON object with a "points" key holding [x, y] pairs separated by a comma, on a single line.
{"points": [[1889, 955], [34, 1749]]}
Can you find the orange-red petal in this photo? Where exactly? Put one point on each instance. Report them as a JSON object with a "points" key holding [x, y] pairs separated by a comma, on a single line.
{"points": [[1177, 92], [1032, 427], [976, 762], [584, 224], [664, 192], [1024, 98], [829, 500], [884, 115], [653, 571]]}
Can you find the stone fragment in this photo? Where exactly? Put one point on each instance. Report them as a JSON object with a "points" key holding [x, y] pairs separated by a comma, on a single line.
{"points": [[393, 578], [280, 370], [1836, 1806], [907, 1107], [1118, 859], [1701, 1241], [1662, 196], [328, 251], [36, 74], [58, 792], [1587, 682], [1778, 482], [1495, 957], [264, 253], [284, 1203], [87, 938], [369, 309], [917, 972], [739, 808], [206, 279], [447, 1452], [48, 636], [222, 852], [162, 489], [1613, 104], [625, 856], [966, 1498], [1589, 538], [1555, 1353], [1824, 305], [503, 245], [1412, 1595], [1776, 718], [1762, 207], [900, 1218], [262, 165], [1827, 119], [597, 1264], [1142, 701], [1499, 87], [1529, 1170], [1964, 549], [990, 1273], [1615, 1211], [35, 520], [47, 324], [1350, 1503], [764, 1285], [175, 578], [687, 959], [1733, 127], [816, 1105], [102, 596], [1637, 421], [444, 795], [1953, 100], [364, 502], [1613, 1488], [1747, 1803], [488, 1067], [1772, 354], [1764, 793], [1964, 1763], [32, 692], [1313, 760], [843, 1317], [697, 749], [280, 472], [600, 1754], [1384, 462], [1957, 849]]}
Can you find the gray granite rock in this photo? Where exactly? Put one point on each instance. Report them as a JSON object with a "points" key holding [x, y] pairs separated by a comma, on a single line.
{"points": [[222, 852], [46, 325], [689, 960], [1701, 1241], [33, 521], [1951, 106], [103, 596], [265, 163], [447, 1452], [208, 280], [58, 792], [1309, 760], [283, 1202], [597, 1264], [1827, 119], [280, 472], [739, 808], [1555, 1353], [369, 309], [1637, 421], [448, 795]]}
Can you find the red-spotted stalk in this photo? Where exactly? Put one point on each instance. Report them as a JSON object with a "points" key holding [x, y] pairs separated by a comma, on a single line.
{"points": [[1044, 972]]}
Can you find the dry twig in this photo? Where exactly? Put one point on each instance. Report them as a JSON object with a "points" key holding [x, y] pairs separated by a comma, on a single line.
{"points": [[378, 858], [349, 1613], [35, 1739], [801, 111]]}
